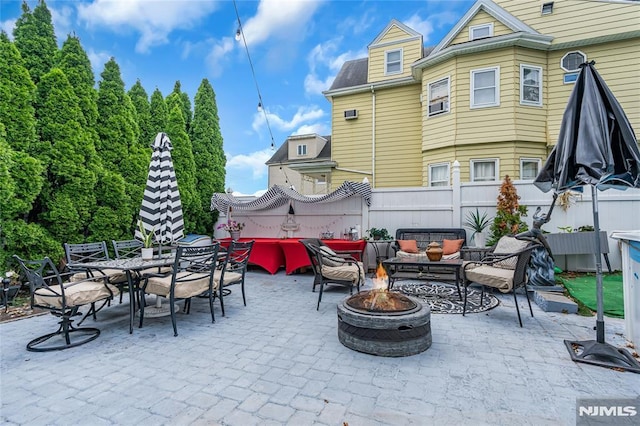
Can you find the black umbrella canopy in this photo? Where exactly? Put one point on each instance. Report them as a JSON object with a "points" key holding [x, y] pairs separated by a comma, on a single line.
{"points": [[596, 147]]}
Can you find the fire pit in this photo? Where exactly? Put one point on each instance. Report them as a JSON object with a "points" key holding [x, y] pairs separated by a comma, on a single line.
{"points": [[384, 323]]}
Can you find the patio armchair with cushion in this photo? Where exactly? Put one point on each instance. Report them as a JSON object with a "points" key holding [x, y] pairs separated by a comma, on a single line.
{"points": [[232, 269], [51, 291], [191, 276], [505, 269], [331, 268]]}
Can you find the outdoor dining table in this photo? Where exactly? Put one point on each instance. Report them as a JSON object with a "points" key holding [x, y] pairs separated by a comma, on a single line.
{"points": [[130, 266]]}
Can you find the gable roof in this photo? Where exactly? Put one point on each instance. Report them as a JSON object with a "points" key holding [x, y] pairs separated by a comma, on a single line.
{"points": [[411, 33], [488, 6]]}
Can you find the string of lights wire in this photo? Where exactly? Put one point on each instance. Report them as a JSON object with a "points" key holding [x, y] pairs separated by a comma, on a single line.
{"points": [[240, 35]]}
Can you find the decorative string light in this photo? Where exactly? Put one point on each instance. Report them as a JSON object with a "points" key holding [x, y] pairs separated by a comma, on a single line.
{"points": [[240, 35]]}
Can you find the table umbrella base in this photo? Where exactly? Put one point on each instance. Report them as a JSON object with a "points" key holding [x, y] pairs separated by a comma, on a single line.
{"points": [[160, 311], [602, 354]]}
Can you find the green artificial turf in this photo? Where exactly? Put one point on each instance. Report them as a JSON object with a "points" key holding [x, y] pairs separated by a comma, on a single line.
{"points": [[583, 288]]}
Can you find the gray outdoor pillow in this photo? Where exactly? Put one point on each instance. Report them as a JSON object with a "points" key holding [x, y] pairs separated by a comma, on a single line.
{"points": [[508, 245], [329, 262]]}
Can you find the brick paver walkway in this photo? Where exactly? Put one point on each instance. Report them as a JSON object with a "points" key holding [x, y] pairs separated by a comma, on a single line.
{"points": [[278, 361]]}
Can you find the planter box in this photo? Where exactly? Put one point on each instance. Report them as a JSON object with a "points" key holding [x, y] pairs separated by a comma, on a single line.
{"points": [[578, 243]]}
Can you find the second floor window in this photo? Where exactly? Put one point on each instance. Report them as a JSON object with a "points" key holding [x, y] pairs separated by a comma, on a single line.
{"points": [[439, 97], [393, 61], [302, 150], [485, 87], [530, 85]]}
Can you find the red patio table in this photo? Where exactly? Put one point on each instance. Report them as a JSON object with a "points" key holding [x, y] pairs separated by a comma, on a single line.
{"points": [[296, 256]]}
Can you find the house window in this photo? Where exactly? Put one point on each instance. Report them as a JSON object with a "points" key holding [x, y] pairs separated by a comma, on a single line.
{"points": [[530, 85], [302, 149], [547, 8], [480, 31], [485, 87], [529, 168], [572, 60], [393, 61], [439, 174], [484, 170], [439, 97]]}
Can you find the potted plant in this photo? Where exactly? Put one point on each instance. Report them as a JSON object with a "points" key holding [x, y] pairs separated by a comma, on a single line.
{"points": [[477, 222], [147, 241], [233, 228], [379, 234]]}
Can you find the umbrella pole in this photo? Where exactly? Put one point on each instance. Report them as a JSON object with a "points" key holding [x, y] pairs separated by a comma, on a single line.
{"points": [[598, 352]]}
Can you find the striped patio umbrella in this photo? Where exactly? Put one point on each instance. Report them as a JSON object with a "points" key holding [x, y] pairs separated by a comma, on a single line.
{"points": [[161, 210]]}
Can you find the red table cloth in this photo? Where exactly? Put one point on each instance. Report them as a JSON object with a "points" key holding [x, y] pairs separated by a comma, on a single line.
{"points": [[272, 253]]}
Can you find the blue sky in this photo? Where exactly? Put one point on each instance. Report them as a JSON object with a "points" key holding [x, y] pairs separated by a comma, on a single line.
{"points": [[296, 47]]}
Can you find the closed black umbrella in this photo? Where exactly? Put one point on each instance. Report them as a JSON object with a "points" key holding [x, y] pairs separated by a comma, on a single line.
{"points": [[596, 147]]}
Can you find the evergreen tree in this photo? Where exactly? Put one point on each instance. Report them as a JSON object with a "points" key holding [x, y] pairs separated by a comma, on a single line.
{"points": [[74, 62], [17, 93], [140, 101], [185, 166], [68, 200], [35, 39], [118, 138], [159, 114], [208, 152], [185, 104]]}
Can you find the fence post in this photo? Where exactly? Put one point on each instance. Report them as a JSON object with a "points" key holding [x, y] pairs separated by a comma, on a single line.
{"points": [[456, 202]]}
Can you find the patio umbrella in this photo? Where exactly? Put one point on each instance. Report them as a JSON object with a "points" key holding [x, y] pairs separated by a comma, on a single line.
{"points": [[596, 147], [161, 210]]}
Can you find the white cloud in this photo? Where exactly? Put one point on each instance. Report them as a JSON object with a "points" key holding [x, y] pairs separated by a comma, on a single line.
{"points": [[218, 55], [302, 115], [255, 162], [323, 58], [98, 59], [7, 26], [153, 20], [280, 20], [321, 129], [426, 26], [61, 17]]}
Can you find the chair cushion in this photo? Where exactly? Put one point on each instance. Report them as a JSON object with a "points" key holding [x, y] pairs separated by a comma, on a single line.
{"points": [[229, 277], [401, 253], [499, 278], [76, 293], [408, 246], [329, 262], [451, 246], [345, 272], [508, 245], [116, 276], [198, 283], [455, 255]]}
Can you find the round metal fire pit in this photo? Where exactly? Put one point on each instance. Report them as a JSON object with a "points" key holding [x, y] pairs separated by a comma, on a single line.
{"points": [[390, 333]]}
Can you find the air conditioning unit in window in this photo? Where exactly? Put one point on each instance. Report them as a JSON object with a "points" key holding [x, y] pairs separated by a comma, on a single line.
{"points": [[351, 114], [437, 107]]}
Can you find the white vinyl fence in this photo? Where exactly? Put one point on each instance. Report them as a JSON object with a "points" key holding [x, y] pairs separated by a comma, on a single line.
{"points": [[444, 207]]}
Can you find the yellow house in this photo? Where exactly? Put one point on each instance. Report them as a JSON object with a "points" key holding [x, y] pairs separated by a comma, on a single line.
{"points": [[490, 94]]}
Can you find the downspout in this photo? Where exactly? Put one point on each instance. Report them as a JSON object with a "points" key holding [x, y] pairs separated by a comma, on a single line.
{"points": [[373, 137]]}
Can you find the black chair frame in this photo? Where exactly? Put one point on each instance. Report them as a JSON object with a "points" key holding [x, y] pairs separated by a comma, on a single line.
{"points": [[236, 259]]}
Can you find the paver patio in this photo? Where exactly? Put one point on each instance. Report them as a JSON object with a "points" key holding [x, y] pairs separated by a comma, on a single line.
{"points": [[278, 361]]}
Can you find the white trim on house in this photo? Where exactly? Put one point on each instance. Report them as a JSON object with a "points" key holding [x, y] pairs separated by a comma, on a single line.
{"points": [[413, 34], [570, 53]]}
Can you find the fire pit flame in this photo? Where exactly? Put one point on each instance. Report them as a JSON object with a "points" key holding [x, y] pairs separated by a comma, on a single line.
{"points": [[380, 299]]}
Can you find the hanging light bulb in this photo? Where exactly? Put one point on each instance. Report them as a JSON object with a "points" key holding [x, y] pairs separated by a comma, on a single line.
{"points": [[238, 34], [259, 106]]}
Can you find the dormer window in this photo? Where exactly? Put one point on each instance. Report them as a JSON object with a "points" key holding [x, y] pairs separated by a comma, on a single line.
{"points": [[393, 62], [302, 150], [480, 31]]}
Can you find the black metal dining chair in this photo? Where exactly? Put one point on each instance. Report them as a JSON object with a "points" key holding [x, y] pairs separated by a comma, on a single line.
{"points": [[232, 269], [51, 291]]}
